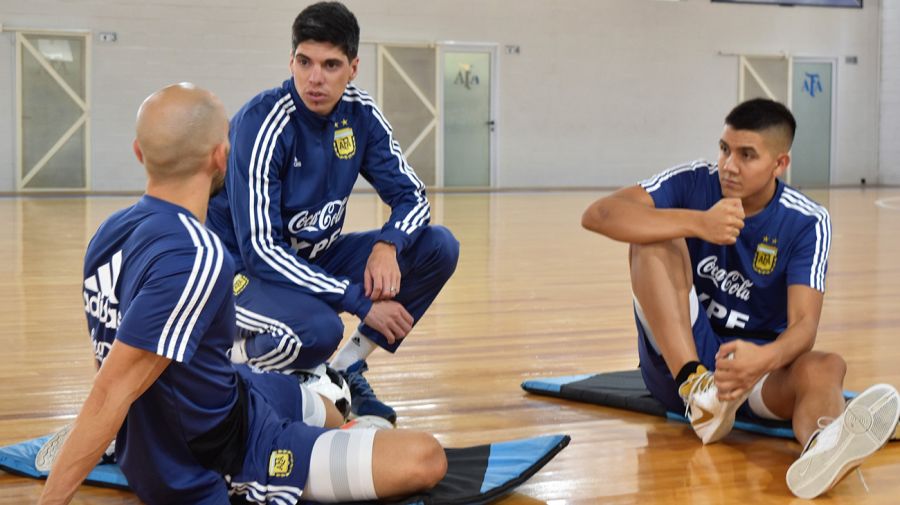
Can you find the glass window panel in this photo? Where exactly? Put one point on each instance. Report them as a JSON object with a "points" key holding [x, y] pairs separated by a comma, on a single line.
{"points": [[66, 56], [422, 159], [405, 111], [65, 170], [418, 63], [774, 73], [47, 111]]}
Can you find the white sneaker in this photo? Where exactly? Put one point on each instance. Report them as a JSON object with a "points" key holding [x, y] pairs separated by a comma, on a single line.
{"points": [[867, 423], [710, 417]]}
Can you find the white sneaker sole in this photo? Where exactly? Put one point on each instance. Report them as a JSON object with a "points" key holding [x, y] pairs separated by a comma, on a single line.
{"points": [[46, 456], [866, 425]]}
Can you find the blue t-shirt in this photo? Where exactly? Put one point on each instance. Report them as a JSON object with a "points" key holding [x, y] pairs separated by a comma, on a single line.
{"points": [[744, 286], [158, 280]]}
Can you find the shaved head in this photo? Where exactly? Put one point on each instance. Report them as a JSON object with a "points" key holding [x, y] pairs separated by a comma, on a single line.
{"points": [[178, 129]]}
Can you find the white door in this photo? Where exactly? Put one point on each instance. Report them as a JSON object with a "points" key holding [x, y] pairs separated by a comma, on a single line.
{"points": [[813, 107], [468, 105], [53, 110]]}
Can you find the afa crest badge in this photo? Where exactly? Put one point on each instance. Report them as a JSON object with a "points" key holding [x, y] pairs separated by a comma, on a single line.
{"points": [[240, 282], [766, 256], [344, 142], [281, 462]]}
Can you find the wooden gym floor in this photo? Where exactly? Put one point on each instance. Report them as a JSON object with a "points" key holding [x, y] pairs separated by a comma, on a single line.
{"points": [[534, 296]]}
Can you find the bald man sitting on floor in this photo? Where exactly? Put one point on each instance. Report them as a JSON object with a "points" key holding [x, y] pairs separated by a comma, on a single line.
{"points": [[192, 427]]}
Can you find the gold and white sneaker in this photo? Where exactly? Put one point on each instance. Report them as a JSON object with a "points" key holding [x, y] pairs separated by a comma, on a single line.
{"points": [[868, 422], [710, 417]]}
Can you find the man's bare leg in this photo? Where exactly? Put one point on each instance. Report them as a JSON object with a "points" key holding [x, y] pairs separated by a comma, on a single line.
{"points": [[365, 464], [661, 281], [808, 389], [405, 462]]}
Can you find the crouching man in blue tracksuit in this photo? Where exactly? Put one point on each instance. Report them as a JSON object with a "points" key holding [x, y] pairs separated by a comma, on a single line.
{"points": [[297, 151]]}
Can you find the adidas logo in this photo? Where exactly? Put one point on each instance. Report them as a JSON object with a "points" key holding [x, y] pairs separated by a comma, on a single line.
{"points": [[101, 350], [100, 299]]}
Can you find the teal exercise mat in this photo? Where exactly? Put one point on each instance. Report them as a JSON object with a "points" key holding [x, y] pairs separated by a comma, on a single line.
{"points": [[625, 390], [475, 475]]}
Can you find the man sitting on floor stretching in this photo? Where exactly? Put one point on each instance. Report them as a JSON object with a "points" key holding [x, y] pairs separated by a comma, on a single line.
{"points": [[728, 273]]}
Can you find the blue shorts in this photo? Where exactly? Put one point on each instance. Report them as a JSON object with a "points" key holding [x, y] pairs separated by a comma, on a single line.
{"points": [[659, 380], [275, 461], [286, 328], [278, 449], [282, 392]]}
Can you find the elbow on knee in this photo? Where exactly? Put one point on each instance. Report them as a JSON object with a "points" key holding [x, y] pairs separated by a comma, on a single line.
{"points": [[593, 218]]}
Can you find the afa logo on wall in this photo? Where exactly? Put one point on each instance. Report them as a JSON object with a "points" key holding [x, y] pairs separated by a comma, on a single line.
{"points": [[812, 84], [466, 76]]}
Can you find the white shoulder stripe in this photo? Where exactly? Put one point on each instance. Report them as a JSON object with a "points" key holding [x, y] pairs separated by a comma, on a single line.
{"points": [[205, 271], [185, 294], [260, 222], [653, 183], [421, 212], [795, 200], [212, 243]]}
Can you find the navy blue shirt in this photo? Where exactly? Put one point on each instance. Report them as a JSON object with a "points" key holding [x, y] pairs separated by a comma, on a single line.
{"points": [[744, 286], [158, 280]]}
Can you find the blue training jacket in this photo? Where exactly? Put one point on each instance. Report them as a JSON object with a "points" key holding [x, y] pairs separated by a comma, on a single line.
{"points": [[290, 174]]}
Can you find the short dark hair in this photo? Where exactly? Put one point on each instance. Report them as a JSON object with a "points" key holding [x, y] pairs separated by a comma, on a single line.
{"points": [[761, 114], [330, 22]]}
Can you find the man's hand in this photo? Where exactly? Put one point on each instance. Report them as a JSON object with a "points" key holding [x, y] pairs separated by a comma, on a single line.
{"points": [[739, 366], [390, 319], [722, 223], [382, 276]]}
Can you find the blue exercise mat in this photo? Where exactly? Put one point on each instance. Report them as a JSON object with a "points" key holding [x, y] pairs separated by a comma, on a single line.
{"points": [[19, 459], [626, 390], [475, 475]]}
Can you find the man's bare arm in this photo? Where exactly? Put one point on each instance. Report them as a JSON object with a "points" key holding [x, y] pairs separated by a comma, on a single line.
{"points": [[749, 362], [629, 215], [126, 373]]}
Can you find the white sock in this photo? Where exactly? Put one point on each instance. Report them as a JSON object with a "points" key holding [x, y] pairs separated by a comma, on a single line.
{"points": [[359, 347], [239, 352]]}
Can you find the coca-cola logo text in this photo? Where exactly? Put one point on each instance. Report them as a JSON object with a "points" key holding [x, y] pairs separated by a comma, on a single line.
{"points": [[322, 219], [729, 282]]}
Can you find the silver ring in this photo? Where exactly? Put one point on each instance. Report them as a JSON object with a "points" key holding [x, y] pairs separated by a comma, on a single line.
{"points": [[393, 289]]}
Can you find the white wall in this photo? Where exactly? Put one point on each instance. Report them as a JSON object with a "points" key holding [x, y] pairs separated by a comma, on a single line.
{"points": [[889, 158], [7, 113], [604, 92]]}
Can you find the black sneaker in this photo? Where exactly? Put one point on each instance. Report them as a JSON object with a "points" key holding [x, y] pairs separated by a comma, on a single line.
{"points": [[363, 401]]}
